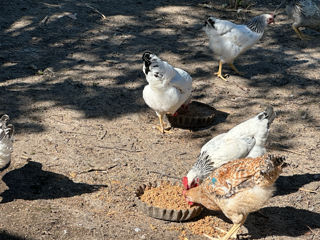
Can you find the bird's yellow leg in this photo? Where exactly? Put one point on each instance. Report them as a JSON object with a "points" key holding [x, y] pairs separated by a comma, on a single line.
{"points": [[235, 69], [232, 233], [219, 73], [161, 127], [299, 33]]}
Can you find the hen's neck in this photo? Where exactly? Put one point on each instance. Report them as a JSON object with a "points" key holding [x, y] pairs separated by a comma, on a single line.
{"points": [[256, 24], [204, 165]]}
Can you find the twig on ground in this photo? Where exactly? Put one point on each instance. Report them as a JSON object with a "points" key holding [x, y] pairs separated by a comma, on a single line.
{"points": [[311, 230], [120, 149], [105, 134], [44, 20], [290, 151], [98, 169], [85, 134], [242, 88], [166, 175], [286, 150], [307, 190], [96, 10]]}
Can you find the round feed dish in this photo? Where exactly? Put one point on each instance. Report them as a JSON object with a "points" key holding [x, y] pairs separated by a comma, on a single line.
{"points": [[165, 214], [198, 115]]}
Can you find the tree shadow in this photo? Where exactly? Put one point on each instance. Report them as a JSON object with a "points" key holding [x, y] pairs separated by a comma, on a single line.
{"points": [[282, 221], [8, 236], [290, 184], [30, 182], [278, 221], [71, 59]]}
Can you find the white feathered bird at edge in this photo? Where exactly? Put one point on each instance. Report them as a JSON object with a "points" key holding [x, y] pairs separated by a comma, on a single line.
{"points": [[168, 88], [228, 40], [246, 140], [303, 13], [6, 142]]}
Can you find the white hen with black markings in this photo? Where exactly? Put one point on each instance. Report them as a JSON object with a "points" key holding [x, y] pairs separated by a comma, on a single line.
{"points": [[168, 87], [247, 139], [228, 40], [6, 141]]}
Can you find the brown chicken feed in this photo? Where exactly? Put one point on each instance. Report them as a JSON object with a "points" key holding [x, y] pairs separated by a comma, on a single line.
{"points": [[208, 225], [165, 196]]}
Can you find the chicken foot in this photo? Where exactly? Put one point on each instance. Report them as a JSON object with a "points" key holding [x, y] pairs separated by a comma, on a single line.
{"points": [[235, 69], [161, 127], [301, 36], [219, 73], [232, 233]]}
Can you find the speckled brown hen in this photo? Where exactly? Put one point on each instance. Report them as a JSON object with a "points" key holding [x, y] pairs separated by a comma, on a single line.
{"points": [[238, 188]]}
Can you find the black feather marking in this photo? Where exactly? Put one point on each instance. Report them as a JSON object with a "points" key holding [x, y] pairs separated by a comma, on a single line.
{"points": [[204, 165], [211, 22], [268, 114], [10, 129], [146, 57], [256, 24]]}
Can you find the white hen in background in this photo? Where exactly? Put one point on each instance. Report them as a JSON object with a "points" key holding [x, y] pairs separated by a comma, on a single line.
{"points": [[6, 141], [168, 89], [247, 139], [228, 40]]}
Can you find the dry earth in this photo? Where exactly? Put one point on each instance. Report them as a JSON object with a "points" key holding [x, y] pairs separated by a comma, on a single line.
{"points": [[72, 84]]}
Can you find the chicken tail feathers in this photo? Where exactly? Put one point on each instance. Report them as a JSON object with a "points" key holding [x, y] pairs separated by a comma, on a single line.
{"points": [[10, 130], [272, 166], [269, 114], [6, 130]]}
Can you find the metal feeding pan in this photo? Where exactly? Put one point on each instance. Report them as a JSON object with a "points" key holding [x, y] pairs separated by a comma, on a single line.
{"points": [[198, 115], [161, 213]]}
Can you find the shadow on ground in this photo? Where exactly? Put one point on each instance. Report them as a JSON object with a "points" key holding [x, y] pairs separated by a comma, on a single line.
{"points": [[30, 182], [290, 184], [275, 221], [41, 40], [282, 221], [7, 236]]}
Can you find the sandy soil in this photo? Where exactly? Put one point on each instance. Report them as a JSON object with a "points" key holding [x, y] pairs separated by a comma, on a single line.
{"points": [[72, 84]]}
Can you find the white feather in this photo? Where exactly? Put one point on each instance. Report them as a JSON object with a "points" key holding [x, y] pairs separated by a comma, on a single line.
{"points": [[168, 87]]}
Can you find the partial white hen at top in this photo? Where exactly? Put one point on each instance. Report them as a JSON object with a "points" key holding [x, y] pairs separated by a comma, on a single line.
{"points": [[6, 141], [168, 88], [228, 40], [245, 140]]}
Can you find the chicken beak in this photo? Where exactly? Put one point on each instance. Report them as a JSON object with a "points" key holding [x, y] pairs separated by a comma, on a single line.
{"points": [[184, 194]]}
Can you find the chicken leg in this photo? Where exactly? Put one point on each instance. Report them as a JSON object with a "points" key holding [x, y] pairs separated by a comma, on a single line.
{"points": [[235, 69], [301, 36], [232, 233], [161, 127], [219, 73]]}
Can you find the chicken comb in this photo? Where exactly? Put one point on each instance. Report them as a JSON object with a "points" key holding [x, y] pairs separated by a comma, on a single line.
{"points": [[185, 182]]}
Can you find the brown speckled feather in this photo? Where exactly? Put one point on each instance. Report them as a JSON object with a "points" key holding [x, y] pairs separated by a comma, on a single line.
{"points": [[241, 174]]}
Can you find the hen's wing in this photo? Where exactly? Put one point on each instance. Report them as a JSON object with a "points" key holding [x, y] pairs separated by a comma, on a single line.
{"points": [[223, 149], [233, 176], [239, 35], [241, 174], [182, 81]]}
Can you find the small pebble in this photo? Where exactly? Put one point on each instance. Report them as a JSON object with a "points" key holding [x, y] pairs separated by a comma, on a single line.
{"points": [[137, 230]]}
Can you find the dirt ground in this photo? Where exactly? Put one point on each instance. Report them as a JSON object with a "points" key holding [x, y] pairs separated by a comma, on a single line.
{"points": [[71, 81]]}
